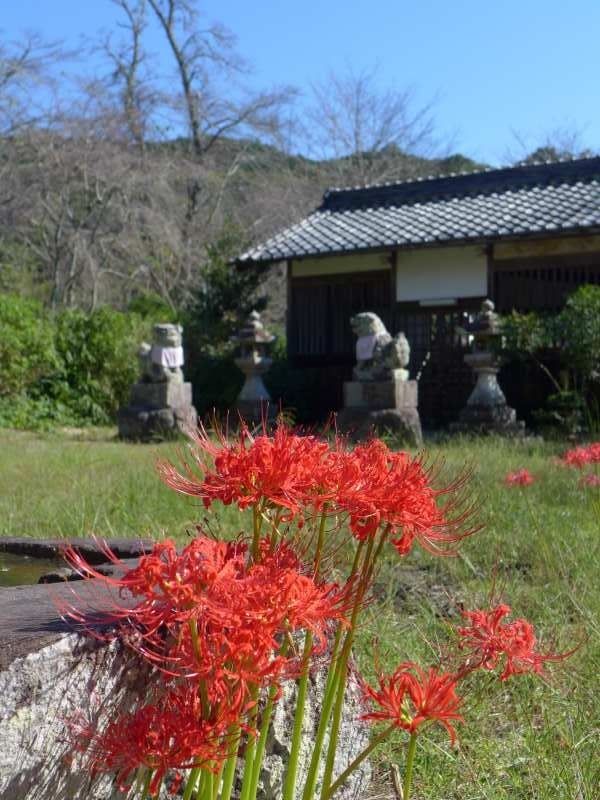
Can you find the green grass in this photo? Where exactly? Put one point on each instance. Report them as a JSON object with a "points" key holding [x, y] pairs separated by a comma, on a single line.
{"points": [[525, 739], [88, 483], [539, 552]]}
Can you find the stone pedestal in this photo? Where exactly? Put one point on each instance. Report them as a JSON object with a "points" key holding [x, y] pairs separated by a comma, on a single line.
{"points": [[381, 406], [157, 410], [487, 410], [378, 395], [254, 402]]}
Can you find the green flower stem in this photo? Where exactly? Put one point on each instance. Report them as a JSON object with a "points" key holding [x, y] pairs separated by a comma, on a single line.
{"points": [[320, 541], [328, 698], [262, 741], [250, 749], [289, 787], [146, 784], [193, 625], [230, 764], [207, 786], [358, 761], [263, 732], [200, 787], [275, 520], [257, 518], [335, 666], [410, 760], [217, 782], [342, 666], [191, 782], [292, 768]]}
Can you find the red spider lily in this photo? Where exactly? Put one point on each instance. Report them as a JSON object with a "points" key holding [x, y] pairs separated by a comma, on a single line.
{"points": [[171, 584], [579, 457], [489, 640], [239, 646], [589, 480], [380, 488], [521, 477], [168, 734], [412, 697], [210, 612], [277, 468]]}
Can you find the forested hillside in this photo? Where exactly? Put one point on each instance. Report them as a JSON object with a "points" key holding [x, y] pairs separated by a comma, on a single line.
{"points": [[121, 182]]}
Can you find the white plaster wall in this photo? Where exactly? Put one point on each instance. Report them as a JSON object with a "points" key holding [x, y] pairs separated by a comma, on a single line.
{"points": [[441, 273]]}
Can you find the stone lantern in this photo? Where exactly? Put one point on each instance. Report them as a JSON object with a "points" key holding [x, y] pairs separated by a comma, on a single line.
{"points": [[486, 409], [254, 401]]}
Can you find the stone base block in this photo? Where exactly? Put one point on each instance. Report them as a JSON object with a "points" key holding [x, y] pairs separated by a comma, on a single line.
{"points": [[144, 424], [404, 423], [50, 676], [168, 394], [501, 419], [381, 395]]}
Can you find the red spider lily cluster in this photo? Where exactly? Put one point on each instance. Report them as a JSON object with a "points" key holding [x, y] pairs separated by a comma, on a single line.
{"points": [[222, 624], [582, 456], [521, 477]]}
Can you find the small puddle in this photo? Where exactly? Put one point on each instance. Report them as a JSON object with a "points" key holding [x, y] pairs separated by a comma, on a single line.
{"points": [[19, 570]]}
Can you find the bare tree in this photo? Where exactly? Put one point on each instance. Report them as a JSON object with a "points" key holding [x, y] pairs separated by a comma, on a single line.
{"points": [[128, 60], [364, 132], [95, 224], [565, 141], [203, 57], [25, 67]]}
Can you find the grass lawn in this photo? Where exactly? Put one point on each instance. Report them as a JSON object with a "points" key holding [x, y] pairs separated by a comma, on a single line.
{"points": [[539, 551]]}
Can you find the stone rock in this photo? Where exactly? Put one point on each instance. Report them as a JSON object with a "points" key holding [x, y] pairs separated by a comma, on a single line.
{"points": [[162, 360], [168, 394], [254, 403], [486, 410], [49, 676], [72, 677], [380, 399], [144, 424], [498, 419], [404, 423], [60, 574]]}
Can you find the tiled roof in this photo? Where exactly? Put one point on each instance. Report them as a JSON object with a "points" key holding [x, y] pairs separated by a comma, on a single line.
{"points": [[549, 198]]}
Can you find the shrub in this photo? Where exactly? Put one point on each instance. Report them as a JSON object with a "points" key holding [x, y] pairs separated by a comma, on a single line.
{"points": [[566, 347], [70, 369], [578, 331], [27, 352], [98, 362]]}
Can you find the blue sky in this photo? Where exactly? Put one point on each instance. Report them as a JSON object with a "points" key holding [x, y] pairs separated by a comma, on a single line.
{"points": [[531, 66]]}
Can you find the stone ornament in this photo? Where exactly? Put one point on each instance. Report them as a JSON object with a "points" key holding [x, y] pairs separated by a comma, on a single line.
{"points": [[380, 397], [160, 402], [486, 409], [254, 401], [162, 360], [379, 355]]}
